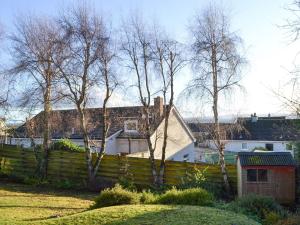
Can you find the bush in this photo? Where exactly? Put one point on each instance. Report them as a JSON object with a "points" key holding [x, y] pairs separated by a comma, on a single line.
{"points": [[196, 178], [148, 197], [257, 207], [116, 196], [64, 184], [271, 218], [66, 145], [126, 183], [193, 196], [35, 181], [290, 220]]}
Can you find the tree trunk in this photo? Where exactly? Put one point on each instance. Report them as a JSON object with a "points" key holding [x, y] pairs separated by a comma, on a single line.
{"points": [[164, 147], [105, 128], [46, 132], [217, 135], [88, 154], [151, 149]]}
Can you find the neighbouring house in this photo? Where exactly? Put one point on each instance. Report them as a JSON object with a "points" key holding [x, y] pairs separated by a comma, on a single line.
{"points": [[250, 133], [126, 134], [268, 174]]}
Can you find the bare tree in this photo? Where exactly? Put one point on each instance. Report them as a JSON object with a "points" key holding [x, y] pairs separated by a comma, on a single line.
{"points": [[33, 46], [109, 81], [85, 61], [168, 58], [3, 78], [154, 59], [216, 64], [136, 46], [291, 100]]}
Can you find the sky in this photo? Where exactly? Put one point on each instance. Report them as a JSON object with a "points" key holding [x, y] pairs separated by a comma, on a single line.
{"points": [[268, 49]]}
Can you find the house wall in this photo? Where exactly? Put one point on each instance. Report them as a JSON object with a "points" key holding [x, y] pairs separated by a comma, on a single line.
{"points": [[131, 146], [26, 143], [236, 145], [179, 143], [280, 184]]}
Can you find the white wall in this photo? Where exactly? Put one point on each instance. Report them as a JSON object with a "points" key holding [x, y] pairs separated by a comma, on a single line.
{"points": [[236, 145], [179, 142], [136, 145]]}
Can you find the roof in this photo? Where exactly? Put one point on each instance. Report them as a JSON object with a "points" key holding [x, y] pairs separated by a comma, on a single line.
{"points": [[262, 128], [66, 123], [266, 159], [269, 128]]}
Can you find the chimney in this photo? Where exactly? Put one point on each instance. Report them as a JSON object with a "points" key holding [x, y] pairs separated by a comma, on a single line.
{"points": [[254, 118], [159, 106]]}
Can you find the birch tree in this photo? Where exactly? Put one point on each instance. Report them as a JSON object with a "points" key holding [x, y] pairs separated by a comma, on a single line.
{"points": [[136, 46], [289, 94], [216, 64], [85, 62], [33, 46], [154, 60], [168, 59]]}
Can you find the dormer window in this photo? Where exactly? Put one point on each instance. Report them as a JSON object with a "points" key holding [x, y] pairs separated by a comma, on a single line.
{"points": [[131, 126]]}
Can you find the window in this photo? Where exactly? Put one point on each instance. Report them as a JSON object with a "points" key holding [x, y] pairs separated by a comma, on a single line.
{"points": [[244, 146], [257, 175], [251, 175], [269, 147], [262, 175], [131, 126], [186, 157]]}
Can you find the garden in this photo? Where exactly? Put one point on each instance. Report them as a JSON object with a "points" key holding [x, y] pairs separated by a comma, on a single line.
{"points": [[193, 202]]}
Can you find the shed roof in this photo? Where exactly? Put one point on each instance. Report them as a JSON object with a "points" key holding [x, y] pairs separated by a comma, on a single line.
{"points": [[266, 159]]}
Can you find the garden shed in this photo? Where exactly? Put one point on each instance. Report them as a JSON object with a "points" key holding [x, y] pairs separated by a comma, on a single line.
{"points": [[268, 174]]}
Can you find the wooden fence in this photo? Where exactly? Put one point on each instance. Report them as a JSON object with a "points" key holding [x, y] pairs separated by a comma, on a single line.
{"points": [[72, 166]]}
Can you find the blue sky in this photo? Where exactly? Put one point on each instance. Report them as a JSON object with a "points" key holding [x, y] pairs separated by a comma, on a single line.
{"points": [[267, 48]]}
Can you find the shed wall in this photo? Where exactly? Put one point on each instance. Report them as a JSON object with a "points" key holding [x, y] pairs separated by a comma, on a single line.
{"points": [[280, 184]]}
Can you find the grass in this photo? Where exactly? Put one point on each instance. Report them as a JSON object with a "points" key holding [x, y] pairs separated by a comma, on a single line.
{"points": [[26, 203], [23, 204], [154, 214]]}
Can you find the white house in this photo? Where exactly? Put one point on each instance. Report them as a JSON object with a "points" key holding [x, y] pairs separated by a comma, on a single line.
{"points": [[126, 134], [255, 133]]}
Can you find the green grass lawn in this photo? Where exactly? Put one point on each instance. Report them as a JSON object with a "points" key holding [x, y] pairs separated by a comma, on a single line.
{"points": [[21, 204], [154, 215], [26, 203]]}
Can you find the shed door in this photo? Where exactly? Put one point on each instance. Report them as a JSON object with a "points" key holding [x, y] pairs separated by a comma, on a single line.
{"points": [[284, 188]]}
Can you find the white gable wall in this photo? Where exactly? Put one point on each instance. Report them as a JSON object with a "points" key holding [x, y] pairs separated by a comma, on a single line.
{"points": [[180, 143]]}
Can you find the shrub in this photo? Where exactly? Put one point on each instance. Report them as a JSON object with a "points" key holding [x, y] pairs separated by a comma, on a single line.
{"points": [[257, 207], [66, 145], [127, 183], [290, 220], [64, 184], [116, 196], [35, 181], [271, 218], [192, 196], [196, 178], [148, 197]]}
